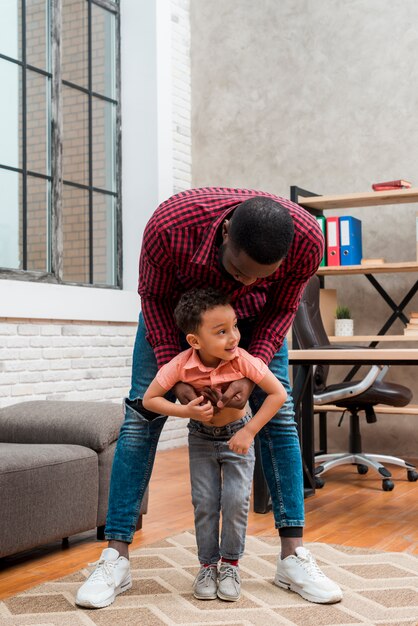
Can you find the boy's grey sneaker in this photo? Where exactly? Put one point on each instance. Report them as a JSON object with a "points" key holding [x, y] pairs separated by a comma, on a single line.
{"points": [[111, 577], [205, 585], [302, 574], [229, 587]]}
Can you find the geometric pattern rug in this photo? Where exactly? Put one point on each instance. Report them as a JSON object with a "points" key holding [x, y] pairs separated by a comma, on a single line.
{"points": [[380, 588]]}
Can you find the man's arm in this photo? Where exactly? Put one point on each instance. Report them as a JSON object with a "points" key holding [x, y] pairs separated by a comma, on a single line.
{"points": [[157, 278], [282, 303]]}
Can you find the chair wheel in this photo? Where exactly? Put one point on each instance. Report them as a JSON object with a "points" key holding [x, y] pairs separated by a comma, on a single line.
{"points": [[319, 483], [387, 485], [362, 469], [412, 476]]}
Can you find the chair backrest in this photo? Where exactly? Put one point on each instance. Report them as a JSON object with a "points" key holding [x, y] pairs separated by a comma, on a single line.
{"points": [[309, 329]]}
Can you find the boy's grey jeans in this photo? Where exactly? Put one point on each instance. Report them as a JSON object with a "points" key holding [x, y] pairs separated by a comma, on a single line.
{"points": [[221, 482]]}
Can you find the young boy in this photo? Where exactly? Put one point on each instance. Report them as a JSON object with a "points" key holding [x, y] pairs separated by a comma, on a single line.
{"points": [[221, 442]]}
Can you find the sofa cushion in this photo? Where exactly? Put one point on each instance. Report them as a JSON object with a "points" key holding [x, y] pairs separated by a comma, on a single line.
{"points": [[48, 492], [91, 424]]}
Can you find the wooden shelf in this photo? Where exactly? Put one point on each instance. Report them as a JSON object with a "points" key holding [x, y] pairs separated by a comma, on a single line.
{"points": [[372, 198], [378, 268], [368, 338]]}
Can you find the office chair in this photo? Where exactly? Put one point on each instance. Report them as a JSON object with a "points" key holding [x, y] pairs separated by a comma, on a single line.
{"points": [[352, 396]]}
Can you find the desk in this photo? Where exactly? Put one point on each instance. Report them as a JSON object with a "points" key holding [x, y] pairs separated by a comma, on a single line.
{"points": [[303, 389]]}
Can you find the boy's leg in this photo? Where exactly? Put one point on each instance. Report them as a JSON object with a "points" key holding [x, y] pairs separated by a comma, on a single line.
{"points": [[206, 484], [282, 465], [237, 473], [131, 471]]}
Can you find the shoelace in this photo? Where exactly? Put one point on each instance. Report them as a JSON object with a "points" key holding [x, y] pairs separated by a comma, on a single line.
{"points": [[103, 571], [206, 575], [311, 566], [229, 571]]}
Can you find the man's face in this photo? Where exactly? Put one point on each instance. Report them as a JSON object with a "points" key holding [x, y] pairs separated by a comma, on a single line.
{"points": [[239, 265]]}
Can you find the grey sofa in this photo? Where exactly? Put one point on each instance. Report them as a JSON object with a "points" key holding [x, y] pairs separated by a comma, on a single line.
{"points": [[55, 465]]}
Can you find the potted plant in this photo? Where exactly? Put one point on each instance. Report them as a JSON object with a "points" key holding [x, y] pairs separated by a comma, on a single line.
{"points": [[344, 325]]}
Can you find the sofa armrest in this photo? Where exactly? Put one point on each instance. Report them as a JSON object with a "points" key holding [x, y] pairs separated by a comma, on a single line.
{"points": [[92, 424]]}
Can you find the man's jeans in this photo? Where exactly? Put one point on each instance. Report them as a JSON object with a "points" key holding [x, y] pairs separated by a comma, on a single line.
{"points": [[221, 481], [138, 438]]}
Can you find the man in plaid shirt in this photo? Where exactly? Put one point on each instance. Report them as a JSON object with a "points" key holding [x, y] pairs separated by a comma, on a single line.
{"points": [[261, 250]]}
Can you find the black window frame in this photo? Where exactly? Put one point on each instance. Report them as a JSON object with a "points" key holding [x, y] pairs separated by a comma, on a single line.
{"points": [[55, 274]]}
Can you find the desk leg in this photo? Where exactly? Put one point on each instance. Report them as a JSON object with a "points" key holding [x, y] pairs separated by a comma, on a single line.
{"points": [[303, 401]]}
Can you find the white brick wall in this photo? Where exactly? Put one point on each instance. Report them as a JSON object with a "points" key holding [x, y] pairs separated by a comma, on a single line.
{"points": [[64, 361]]}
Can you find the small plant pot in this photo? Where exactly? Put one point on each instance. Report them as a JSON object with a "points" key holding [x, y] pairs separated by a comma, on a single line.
{"points": [[344, 328]]}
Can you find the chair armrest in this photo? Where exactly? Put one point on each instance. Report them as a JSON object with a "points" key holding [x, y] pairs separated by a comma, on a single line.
{"points": [[92, 424], [328, 397]]}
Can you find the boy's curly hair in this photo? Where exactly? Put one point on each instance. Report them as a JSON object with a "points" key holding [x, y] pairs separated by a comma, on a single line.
{"points": [[188, 312]]}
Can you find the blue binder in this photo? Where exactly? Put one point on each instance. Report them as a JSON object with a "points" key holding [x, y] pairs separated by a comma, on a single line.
{"points": [[350, 240]]}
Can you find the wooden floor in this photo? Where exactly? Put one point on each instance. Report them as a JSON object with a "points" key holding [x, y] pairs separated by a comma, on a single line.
{"points": [[350, 509]]}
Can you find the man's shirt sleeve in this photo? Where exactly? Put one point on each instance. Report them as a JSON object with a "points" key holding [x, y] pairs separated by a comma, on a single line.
{"points": [[155, 286]]}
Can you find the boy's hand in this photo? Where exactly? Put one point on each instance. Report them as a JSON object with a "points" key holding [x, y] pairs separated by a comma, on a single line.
{"points": [[237, 394], [199, 410], [241, 441]]}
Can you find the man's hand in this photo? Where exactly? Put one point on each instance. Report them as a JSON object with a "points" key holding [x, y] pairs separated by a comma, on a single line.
{"points": [[213, 396], [200, 409], [185, 393], [241, 441], [236, 394]]}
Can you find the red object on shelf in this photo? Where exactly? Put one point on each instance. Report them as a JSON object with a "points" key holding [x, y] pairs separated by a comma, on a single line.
{"points": [[333, 240], [391, 184]]}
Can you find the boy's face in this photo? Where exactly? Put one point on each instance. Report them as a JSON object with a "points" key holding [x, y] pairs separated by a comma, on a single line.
{"points": [[218, 336]]}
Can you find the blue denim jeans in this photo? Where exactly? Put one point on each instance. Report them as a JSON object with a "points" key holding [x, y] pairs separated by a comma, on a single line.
{"points": [[221, 482], [138, 438]]}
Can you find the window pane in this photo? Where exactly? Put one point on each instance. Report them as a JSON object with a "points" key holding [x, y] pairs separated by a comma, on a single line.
{"points": [[75, 42], [103, 51], [11, 28], [37, 33], [104, 239], [10, 114], [37, 116], [10, 219], [75, 223], [104, 144], [38, 224], [75, 136]]}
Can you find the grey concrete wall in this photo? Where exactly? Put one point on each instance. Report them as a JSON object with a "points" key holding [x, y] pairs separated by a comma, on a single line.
{"points": [[323, 95]]}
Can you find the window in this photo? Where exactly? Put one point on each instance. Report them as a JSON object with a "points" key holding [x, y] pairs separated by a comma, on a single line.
{"points": [[60, 148]]}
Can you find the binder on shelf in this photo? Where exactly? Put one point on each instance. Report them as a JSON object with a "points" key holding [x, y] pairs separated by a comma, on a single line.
{"points": [[333, 240], [350, 240], [321, 222]]}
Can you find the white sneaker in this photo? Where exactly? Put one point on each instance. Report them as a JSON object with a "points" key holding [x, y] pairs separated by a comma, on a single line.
{"points": [[111, 577], [301, 574]]}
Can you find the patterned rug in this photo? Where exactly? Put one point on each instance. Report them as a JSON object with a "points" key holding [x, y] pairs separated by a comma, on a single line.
{"points": [[379, 588]]}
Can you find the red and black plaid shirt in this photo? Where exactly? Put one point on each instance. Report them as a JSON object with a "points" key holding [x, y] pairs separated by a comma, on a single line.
{"points": [[180, 251]]}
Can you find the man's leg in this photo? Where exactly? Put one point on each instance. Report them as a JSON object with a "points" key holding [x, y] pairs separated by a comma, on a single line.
{"points": [[282, 465], [131, 471]]}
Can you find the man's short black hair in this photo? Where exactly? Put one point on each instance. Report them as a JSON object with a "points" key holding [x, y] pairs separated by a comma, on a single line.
{"points": [[263, 229], [188, 312]]}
